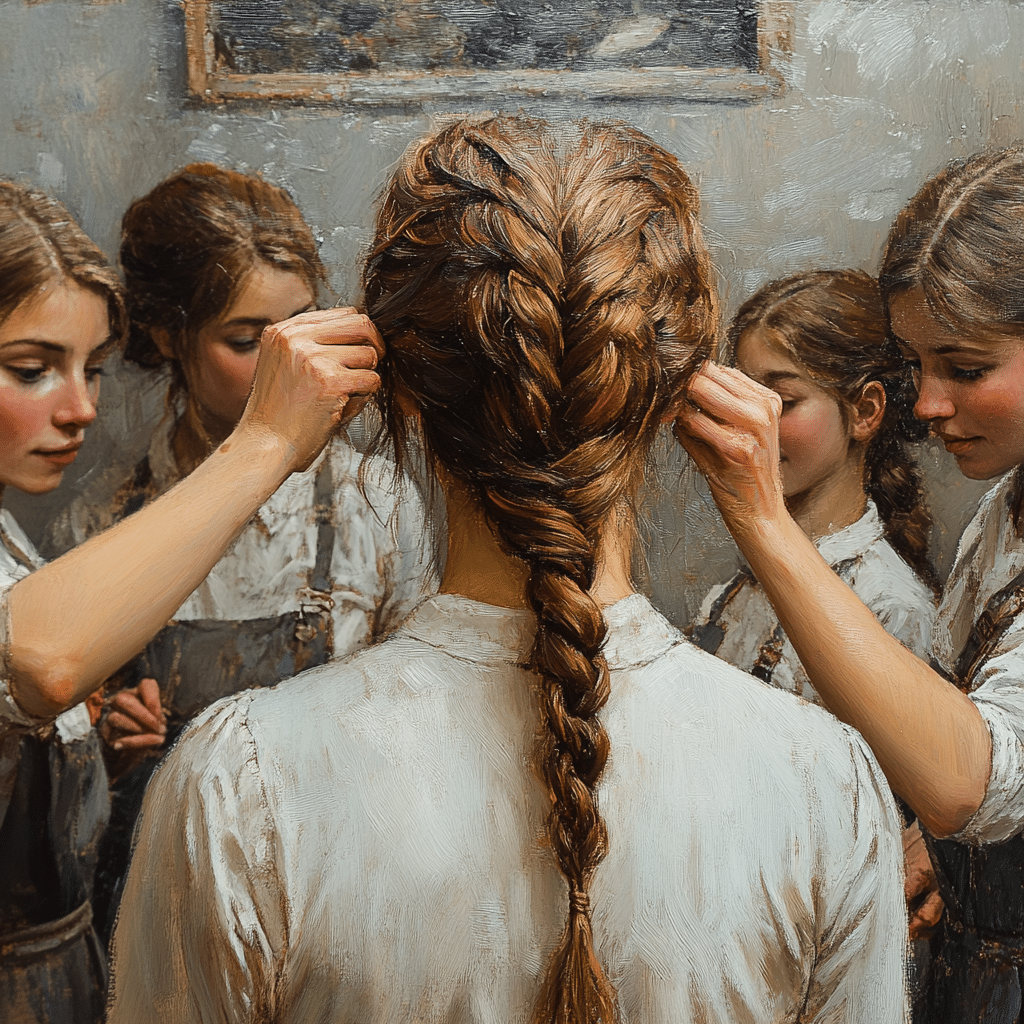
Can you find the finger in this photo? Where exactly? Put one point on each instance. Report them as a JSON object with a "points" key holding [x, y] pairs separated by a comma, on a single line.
{"points": [[717, 442], [354, 382], [128, 702], [930, 912], [329, 327], [149, 694], [758, 409], [127, 722], [144, 741]]}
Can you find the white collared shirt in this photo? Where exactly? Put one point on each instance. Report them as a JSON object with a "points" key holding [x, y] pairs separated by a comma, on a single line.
{"points": [[365, 842], [892, 591]]}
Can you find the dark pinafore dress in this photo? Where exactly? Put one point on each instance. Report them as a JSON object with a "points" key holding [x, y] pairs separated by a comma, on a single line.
{"points": [[978, 951], [199, 661], [53, 810]]}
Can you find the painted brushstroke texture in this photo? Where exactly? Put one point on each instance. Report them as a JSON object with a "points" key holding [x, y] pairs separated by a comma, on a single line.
{"points": [[367, 841]]}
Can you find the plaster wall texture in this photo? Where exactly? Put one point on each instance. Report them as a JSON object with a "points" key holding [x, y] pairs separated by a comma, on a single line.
{"points": [[875, 97]]}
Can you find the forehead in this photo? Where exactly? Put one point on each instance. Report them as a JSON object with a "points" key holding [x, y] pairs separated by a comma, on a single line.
{"points": [[914, 324], [762, 352], [62, 313], [265, 291]]}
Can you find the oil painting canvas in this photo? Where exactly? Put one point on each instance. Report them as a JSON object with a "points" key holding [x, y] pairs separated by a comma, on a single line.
{"points": [[511, 510]]}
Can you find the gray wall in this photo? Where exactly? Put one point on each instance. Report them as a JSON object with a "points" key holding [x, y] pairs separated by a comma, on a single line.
{"points": [[876, 97]]}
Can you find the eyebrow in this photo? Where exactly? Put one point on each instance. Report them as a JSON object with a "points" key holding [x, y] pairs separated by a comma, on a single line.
{"points": [[945, 350], [52, 346], [263, 321], [780, 376]]}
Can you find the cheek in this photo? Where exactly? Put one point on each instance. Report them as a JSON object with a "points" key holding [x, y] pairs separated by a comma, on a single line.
{"points": [[234, 372], [23, 417], [797, 432]]}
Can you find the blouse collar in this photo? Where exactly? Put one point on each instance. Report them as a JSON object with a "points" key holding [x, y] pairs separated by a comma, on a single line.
{"points": [[487, 634]]}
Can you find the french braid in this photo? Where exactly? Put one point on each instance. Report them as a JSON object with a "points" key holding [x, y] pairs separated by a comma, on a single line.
{"points": [[542, 309]]}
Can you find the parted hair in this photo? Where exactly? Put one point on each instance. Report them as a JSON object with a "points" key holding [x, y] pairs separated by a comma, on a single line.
{"points": [[40, 244], [543, 299], [960, 240], [833, 323], [188, 245]]}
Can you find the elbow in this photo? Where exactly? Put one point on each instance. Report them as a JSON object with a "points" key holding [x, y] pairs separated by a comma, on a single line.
{"points": [[44, 687], [948, 816]]}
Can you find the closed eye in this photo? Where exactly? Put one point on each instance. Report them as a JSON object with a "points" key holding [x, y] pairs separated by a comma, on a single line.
{"points": [[969, 373]]}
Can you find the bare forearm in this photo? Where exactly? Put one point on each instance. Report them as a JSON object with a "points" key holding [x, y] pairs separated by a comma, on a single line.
{"points": [[929, 738], [81, 617]]}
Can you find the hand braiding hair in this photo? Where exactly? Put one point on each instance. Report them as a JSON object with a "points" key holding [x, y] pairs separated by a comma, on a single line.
{"points": [[542, 313]]}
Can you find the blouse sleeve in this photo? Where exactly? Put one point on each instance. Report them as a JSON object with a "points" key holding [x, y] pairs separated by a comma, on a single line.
{"points": [[11, 715], [861, 923], [1000, 700], [201, 930]]}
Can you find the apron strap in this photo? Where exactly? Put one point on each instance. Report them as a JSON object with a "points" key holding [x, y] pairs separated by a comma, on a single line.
{"points": [[770, 654], [989, 628], [319, 577], [708, 636]]}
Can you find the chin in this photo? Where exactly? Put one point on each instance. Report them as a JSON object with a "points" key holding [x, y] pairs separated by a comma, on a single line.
{"points": [[38, 485]]}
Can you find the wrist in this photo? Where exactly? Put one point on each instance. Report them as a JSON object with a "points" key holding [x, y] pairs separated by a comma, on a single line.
{"points": [[263, 456]]}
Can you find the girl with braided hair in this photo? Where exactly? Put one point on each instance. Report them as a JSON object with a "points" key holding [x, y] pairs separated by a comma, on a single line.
{"points": [[514, 808], [949, 734], [820, 341]]}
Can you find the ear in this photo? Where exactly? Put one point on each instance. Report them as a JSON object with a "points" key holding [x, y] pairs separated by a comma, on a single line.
{"points": [[162, 339], [868, 412]]}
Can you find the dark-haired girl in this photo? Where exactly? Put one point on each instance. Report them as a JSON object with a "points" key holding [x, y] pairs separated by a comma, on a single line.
{"points": [[950, 736], [65, 626], [820, 342], [516, 808]]}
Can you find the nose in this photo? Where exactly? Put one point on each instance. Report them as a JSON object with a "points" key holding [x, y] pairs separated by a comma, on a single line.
{"points": [[77, 406], [933, 401]]}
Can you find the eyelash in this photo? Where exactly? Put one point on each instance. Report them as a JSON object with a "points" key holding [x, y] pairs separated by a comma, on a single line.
{"points": [[972, 374], [243, 344], [34, 374]]}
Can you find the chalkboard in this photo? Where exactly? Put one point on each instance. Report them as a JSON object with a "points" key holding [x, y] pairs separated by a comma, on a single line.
{"points": [[317, 36], [375, 48]]}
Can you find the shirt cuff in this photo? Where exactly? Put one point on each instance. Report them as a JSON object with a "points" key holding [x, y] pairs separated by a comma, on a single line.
{"points": [[11, 715], [1001, 814]]}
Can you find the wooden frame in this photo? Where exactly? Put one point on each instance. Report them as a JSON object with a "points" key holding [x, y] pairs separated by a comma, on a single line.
{"points": [[210, 80]]}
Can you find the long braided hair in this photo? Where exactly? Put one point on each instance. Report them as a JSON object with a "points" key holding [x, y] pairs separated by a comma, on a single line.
{"points": [[542, 306], [832, 322]]}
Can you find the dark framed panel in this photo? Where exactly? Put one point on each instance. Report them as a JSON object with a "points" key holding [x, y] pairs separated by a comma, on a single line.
{"points": [[398, 51]]}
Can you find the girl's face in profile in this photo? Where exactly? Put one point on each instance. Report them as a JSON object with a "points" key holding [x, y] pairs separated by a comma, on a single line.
{"points": [[970, 387], [222, 362], [814, 434], [51, 353]]}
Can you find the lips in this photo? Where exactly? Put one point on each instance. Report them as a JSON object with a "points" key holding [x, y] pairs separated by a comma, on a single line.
{"points": [[956, 445], [60, 456]]}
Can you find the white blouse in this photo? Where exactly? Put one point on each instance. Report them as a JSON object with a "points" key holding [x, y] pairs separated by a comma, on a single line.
{"points": [[900, 601], [380, 566], [365, 843], [990, 555]]}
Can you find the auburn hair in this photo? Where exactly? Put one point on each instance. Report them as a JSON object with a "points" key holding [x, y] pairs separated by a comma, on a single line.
{"points": [[833, 323], [543, 301], [188, 246]]}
